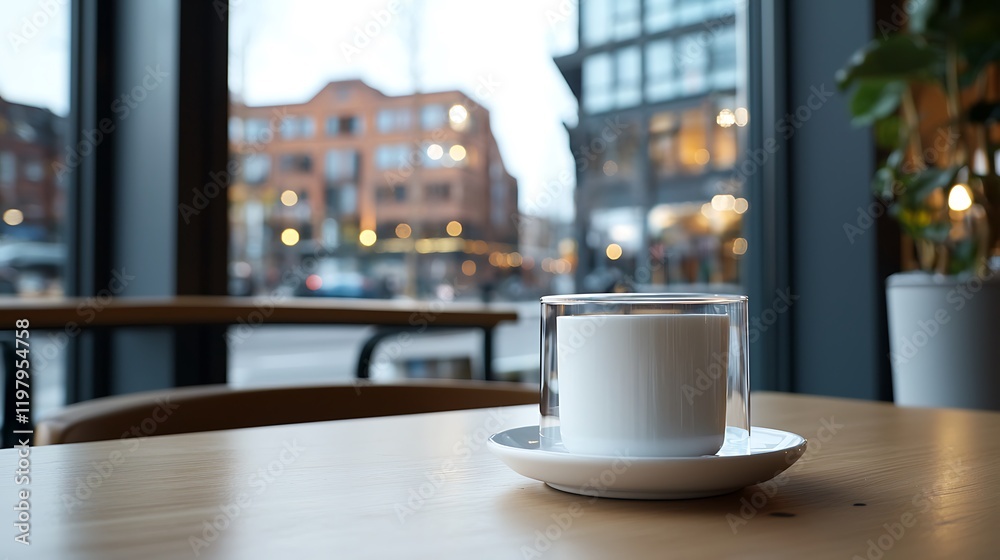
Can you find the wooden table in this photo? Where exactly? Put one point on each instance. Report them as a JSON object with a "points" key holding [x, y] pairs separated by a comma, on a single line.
{"points": [[392, 316], [918, 483], [225, 310]]}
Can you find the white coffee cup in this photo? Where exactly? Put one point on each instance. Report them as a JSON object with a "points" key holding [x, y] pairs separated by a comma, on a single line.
{"points": [[646, 385]]}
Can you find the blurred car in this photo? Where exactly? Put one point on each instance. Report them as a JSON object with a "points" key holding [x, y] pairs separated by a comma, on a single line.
{"points": [[340, 285], [31, 267]]}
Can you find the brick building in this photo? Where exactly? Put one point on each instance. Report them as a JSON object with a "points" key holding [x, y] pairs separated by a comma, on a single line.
{"points": [[32, 198], [360, 162]]}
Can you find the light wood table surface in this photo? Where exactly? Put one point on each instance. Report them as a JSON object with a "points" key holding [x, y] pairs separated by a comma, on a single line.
{"points": [[425, 486]]}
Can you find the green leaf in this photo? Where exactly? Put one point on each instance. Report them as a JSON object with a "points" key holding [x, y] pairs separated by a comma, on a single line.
{"points": [[874, 100], [978, 58], [887, 134], [963, 256], [922, 183], [900, 57], [968, 22]]}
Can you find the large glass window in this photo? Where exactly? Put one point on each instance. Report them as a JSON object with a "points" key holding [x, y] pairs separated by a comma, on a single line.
{"points": [[609, 20], [391, 156], [341, 165], [34, 173], [479, 174], [392, 120], [295, 163], [612, 80], [256, 168], [297, 127], [350, 125], [433, 116]]}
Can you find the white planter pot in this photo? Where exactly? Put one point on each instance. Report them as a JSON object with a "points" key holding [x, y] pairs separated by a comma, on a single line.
{"points": [[944, 340]]}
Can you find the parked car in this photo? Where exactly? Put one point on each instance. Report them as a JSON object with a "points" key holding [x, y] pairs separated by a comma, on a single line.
{"points": [[340, 285]]}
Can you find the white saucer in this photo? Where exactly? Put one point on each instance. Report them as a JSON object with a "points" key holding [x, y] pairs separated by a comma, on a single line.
{"points": [[649, 478]]}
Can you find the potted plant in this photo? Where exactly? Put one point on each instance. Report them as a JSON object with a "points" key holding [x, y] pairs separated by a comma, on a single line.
{"points": [[930, 90]]}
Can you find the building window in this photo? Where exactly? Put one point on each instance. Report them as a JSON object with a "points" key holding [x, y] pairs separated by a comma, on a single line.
{"points": [[691, 59], [612, 80], [336, 126], [692, 141], [256, 168], [341, 165], [399, 193], [609, 20], [724, 59], [660, 81], [8, 168], [391, 156], [295, 163], [663, 128], [342, 199], [438, 191], [297, 127], [669, 14], [33, 171], [391, 120], [257, 131], [678, 68], [619, 159], [236, 129], [433, 117]]}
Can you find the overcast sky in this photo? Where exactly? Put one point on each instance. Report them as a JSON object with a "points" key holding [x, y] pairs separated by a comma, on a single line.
{"points": [[34, 59], [294, 47]]}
